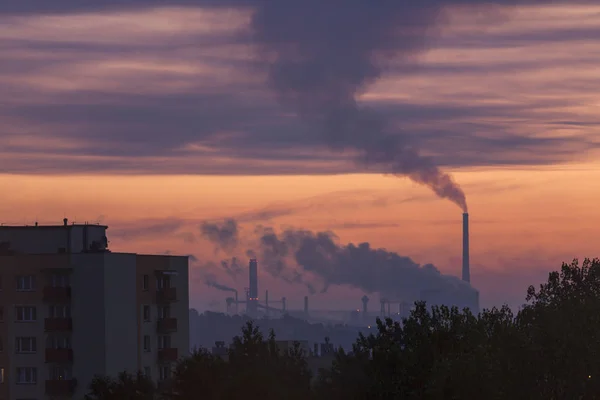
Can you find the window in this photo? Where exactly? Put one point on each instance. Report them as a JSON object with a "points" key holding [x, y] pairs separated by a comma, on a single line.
{"points": [[164, 312], [60, 373], [59, 280], [164, 342], [146, 343], [163, 282], [25, 345], [59, 311], [25, 313], [148, 372], [145, 282], [146, 313], [1, 375], [25, 283], [58, 342], [27, 376], [164, 372]]}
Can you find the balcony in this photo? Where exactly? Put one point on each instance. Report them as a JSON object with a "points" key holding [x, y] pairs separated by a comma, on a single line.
{"points": [[166, 325], [167, 355], [59, 356], [57, 294], [58, 324], [166, 295], [60, 387]]}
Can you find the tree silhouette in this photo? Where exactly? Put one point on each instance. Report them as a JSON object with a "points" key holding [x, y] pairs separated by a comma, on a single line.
{"points": [[125, 386], [549, 350], [200, 373]]}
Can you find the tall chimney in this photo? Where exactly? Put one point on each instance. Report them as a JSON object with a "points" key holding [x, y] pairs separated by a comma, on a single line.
{"points": [[466, 270]]}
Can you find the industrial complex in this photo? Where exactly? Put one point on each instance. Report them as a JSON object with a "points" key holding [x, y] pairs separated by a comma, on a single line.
{"points": [[457, 293]]}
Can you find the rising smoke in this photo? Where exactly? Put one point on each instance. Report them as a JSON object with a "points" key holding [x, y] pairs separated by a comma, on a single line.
{"points": [[226, 234], [318, 261], [322, 54], [211, 280]]}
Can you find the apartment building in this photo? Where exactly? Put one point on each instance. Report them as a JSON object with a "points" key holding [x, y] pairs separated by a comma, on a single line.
{"points": [[71, 309]]}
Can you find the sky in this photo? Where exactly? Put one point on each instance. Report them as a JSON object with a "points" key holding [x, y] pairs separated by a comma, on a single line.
{"points": [[157, 119]]}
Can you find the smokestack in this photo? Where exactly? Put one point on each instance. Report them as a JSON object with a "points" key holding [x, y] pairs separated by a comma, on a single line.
{"points": [[466, 271], [365, 301], [237, 312], [306, 305], [252, 306], [267, 302]]}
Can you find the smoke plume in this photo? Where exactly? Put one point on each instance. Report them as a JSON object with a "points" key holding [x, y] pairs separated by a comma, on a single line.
{"points": [[224, 235], [232, 267], [322, 54], [211, 280], [318, 261]]}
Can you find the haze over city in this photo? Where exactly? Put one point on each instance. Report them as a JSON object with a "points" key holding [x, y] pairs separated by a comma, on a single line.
{"points": [[162, 122]]}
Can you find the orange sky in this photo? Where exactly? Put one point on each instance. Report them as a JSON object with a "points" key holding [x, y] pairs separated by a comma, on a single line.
{"points": [[525, 86], [522, 221]]}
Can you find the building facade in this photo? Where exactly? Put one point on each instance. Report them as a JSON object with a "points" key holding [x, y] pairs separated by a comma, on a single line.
{"points": [[70, 309]]}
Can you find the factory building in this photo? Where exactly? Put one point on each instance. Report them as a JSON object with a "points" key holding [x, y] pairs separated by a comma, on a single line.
{"points": [[71, 309]]}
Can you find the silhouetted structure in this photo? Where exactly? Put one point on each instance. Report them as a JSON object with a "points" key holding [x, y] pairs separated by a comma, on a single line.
{"points": [[466, 272], [252, 302], [86, 311]]}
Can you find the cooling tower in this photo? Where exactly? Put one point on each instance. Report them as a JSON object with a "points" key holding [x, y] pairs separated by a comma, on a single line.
{"points": [[466, 269]]}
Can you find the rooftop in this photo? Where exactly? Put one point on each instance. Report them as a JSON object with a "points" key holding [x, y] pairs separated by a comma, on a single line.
{"points": [[50, 226]]}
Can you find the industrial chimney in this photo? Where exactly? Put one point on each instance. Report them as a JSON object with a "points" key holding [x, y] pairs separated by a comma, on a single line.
{"points": [[365, 301], [466, 271], [252, 306], [306, 306]]}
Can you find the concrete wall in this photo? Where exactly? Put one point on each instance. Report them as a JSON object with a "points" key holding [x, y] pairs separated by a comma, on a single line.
{"points": [[180, 309], [120, 313], [48, 239], [89, 325]]}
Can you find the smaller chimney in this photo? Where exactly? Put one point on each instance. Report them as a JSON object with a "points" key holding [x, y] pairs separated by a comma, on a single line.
{"points": [[306, 305], [65, 222], [365, 301]]}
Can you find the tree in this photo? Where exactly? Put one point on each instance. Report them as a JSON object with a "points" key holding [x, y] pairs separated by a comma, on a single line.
{"points": [[437, 353], [561, 323], [202, 373], [260, 370], [125, 386], [254, 368]]}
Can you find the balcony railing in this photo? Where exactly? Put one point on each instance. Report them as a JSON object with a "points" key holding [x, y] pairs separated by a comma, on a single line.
{"points": [[167, 355], [166, 295], [58, 324], [57, 294], [59, 356], [166, 325], [60, 387]]}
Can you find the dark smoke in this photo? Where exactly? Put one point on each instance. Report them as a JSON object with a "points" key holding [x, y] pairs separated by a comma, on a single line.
{"points": [[305, 255], [211, 280], [224, 235], [232, 267], [318, 260], [322, 54]]}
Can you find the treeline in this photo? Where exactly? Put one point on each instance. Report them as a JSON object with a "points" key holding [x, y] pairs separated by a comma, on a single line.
{"points": [[549, 350]]}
